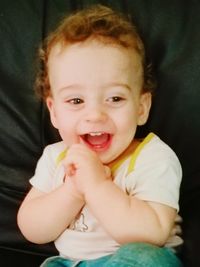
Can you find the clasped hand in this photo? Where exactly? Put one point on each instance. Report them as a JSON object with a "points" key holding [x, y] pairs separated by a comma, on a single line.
{"points": [[84, 168]]}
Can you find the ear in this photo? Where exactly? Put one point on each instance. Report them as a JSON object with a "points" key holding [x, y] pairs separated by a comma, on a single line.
{"points": [[144, 108], [51, 107]]}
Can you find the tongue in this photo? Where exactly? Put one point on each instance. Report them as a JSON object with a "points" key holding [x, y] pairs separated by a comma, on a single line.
{"points": [[97, 139]]}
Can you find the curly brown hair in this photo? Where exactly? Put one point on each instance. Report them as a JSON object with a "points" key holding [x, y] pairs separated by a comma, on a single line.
{"points": [[97, 22]]}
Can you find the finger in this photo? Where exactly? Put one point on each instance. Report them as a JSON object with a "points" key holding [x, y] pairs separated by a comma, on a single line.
{"points": [[70, 170]]}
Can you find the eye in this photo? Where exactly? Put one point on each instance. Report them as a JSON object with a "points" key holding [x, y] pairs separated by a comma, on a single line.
{"points": [[75, 101], [114, 99]]}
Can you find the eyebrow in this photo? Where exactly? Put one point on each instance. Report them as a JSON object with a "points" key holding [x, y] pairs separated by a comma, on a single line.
{"points": [[70, 86], [118, 84]]}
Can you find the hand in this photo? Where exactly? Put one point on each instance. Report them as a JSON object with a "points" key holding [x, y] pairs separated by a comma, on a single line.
{"points": [[84, 167], [72, 189]]}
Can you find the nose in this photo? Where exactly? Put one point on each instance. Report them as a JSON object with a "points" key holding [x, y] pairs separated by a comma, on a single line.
{"points": [[96, 113]]}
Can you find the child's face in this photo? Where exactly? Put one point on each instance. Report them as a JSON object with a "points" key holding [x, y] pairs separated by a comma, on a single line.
{"points": [[96, 96]]}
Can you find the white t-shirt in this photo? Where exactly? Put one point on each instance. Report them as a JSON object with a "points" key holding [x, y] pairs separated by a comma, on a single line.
{"points": [[152, 173]]}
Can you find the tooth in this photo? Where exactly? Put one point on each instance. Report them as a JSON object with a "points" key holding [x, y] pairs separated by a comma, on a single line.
{"points": [[96, 134]]}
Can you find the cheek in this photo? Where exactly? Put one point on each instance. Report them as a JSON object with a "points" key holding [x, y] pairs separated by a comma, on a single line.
{"points": [[126, 131], [129, 126], [69, 136], [67, 128], [127, 121]]}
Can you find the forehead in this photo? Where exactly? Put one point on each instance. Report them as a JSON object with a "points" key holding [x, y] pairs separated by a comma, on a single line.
{"points": [[93, 61], [93, 47]]}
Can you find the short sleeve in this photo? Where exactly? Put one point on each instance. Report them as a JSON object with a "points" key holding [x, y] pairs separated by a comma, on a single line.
{"points": [[157, 175], [47, 169]]}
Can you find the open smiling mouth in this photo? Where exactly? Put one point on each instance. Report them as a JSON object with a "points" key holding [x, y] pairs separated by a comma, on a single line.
{"points": [[97, 141]]}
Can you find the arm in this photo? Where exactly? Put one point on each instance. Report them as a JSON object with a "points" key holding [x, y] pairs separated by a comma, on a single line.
{"points": [[128, 219], [42, 217], [125, 218]]}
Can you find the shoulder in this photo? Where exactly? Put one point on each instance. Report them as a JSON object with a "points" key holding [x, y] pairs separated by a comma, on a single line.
{"points": [[53, 151], [154, 160], [156, 150], [157, 173], [49, 156], [159, 163], [45, 177]]}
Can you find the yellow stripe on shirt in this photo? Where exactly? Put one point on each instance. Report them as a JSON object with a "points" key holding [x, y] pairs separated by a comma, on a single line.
{"points": [[61, 156], [133, 156]]}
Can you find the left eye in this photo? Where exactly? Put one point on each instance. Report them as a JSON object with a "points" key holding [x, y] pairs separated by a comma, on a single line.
{"points": [[115, 99]]}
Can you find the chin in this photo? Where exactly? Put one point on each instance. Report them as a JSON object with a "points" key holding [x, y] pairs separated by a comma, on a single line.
{"points": [[107, 159]]}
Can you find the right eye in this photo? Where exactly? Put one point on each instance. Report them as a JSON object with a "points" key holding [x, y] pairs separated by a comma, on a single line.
{"points": [[75, 101]]}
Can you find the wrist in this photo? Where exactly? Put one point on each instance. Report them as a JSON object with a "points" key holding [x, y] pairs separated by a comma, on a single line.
{"points": [[97, 180], [96, 189], [72, 190]]}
